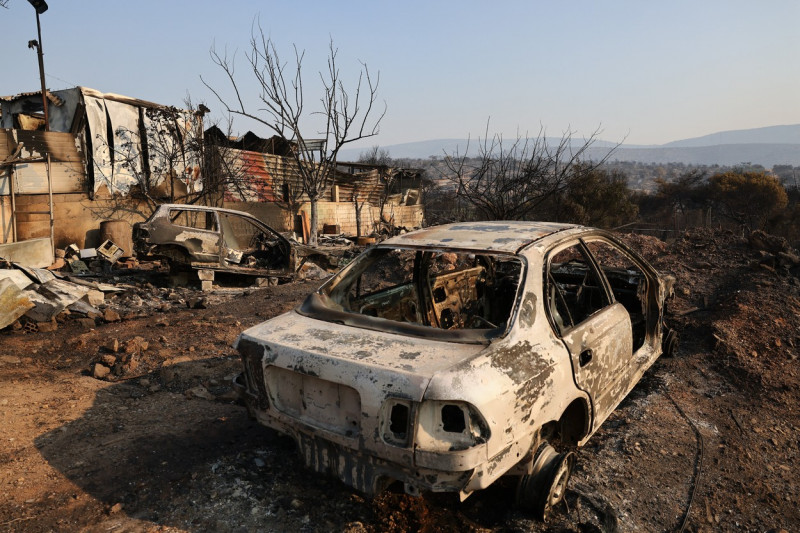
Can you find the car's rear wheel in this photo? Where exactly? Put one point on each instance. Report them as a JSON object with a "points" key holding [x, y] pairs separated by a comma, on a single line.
{"points": [[669, 346], [546, 485], [177, 258]]}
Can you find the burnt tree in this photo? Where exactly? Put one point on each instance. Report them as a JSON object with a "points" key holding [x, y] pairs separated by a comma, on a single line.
{"points": [[511, 180], [347, 112]]}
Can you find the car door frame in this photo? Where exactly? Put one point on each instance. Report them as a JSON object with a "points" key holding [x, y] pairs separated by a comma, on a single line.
{"points": [[600, 346]]}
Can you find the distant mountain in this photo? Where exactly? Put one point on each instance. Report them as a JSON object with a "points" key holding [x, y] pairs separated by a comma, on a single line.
{"points": [[763, 154], [439, 147], [768, 146], [769, 135]]}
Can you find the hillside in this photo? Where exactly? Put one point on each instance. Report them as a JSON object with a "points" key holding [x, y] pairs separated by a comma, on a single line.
{"points": [[768, 146]]}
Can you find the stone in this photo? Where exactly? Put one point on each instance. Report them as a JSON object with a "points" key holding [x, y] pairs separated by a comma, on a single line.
{"points": [[206, 286], [310, 271], [100, 371], [136, 345], [131, 365], [199, 392], [46, 327], [94, 297], [112, 345], [109, 315], [87, 323], [196, 303], [109, 360]]}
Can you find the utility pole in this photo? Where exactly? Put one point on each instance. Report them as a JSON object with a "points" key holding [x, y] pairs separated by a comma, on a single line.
{"points": [[40, 6]]}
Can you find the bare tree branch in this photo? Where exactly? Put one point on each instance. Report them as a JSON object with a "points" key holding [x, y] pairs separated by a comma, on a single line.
{"points": [[510, 180], [348, 112]]}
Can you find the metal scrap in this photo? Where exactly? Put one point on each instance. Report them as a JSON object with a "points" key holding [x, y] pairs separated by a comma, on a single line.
{"points": [[13, 302]]}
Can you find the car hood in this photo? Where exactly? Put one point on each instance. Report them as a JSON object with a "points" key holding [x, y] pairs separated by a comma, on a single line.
{"points": [[360, 358]]}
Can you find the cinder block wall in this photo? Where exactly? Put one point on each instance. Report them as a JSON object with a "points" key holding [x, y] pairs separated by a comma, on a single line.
{"points": [[341, 213], [407, 216]]}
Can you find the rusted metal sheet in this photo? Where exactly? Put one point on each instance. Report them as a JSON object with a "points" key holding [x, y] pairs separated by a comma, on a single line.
{"points": [[13, 302], [252, 175]]}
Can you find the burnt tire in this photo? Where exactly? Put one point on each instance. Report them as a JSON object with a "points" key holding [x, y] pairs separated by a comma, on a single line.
{"points": [[177, 258], [543, 489], [669, 346]]}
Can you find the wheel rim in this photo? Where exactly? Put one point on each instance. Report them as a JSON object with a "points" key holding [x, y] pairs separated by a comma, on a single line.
{"points": [[546, 484], [557, 488]]}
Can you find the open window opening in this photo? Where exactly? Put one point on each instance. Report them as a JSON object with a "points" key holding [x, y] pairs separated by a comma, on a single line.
{"points": [[251, 246], [573, 287], [628, 283], [201, 220], [444, 290]]}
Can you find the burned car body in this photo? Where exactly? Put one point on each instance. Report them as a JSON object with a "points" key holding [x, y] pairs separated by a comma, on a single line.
{"points": [[450, 356], [212, 238]]}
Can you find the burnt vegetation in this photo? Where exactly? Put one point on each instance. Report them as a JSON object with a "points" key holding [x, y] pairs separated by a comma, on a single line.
{"points": [[541, 179]]}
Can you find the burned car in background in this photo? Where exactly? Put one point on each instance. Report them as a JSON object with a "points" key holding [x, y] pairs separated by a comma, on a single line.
{"points": [[216, 239], [448, 357]]}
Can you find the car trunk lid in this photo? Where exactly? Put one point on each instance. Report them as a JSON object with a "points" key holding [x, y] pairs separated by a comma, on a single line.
{"points": [[376, 364]]}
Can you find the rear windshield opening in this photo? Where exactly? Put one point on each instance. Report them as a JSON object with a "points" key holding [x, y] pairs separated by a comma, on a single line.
{"points": [[445, 290]]}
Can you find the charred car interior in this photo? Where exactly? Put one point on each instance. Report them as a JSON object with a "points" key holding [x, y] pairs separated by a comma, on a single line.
{"points": [[448, 357], [575, 290], [444, 290]]}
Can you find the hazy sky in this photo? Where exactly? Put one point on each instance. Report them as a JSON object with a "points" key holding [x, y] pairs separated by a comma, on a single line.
{"points": [[652, 71]]}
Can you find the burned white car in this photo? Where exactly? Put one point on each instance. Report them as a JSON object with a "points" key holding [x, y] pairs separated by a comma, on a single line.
{"points": [[448, 357], [191, 236]]}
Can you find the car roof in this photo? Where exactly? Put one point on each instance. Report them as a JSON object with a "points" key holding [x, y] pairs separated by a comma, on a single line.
{"points": [[190, 207], [500, 236]]}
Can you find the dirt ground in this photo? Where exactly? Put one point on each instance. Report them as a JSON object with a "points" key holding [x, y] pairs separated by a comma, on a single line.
{"points": [[161, 445]]}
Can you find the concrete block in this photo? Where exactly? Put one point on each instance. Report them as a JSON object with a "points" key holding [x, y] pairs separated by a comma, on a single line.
{"points": [[94, 297], [205, 275], [206, 285]]}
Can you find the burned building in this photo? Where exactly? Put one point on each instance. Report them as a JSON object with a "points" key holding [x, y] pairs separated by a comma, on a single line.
{"points": [[63, 182]]}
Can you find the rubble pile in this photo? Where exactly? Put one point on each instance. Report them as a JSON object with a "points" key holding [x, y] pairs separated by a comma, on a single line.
{"points": [[740, 293]]}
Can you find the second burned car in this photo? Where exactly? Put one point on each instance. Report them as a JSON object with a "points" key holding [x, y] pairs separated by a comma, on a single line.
{"points": [[200, 237], [448, 357]]}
